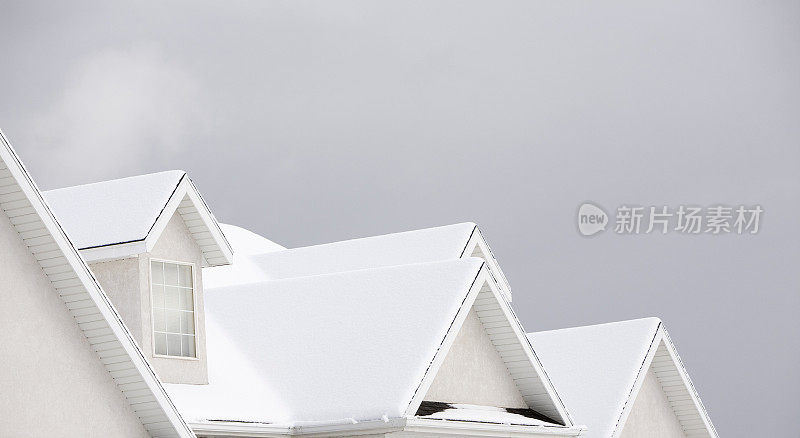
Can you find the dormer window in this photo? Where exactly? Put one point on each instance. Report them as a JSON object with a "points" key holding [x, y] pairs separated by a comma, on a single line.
{"points": [[172, 286]]}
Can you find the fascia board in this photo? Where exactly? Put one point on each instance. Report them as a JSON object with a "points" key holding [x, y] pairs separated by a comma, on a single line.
{"points": [[411, 427], [662, 337], [522, 337], [166, 214], [477, 240], [673, 352], [637, 384], [187, 189], [210, 220], [236, 429], [468, 428], [113, 252], [92, 287]]}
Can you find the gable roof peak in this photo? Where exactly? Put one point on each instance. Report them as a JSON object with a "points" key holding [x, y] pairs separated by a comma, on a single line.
{"points": [[163, 174], [618, 354], [651, 321], [124, 217]]}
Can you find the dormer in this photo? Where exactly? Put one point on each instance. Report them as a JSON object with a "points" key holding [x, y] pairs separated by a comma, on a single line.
{"points": [[147, 238]]}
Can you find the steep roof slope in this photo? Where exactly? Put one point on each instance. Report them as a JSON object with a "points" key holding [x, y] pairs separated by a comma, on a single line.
{"points": [[23, 203], [449, 242], [595, 367], [112, 212], [599, 369], [124, 217], [350, 346], [324, 348]]}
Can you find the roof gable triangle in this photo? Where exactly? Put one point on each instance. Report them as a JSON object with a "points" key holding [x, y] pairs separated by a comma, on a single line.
{"points": [[663, 362], [508, 338]]}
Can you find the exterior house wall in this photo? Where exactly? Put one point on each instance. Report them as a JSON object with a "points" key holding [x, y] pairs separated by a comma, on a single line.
{"points": [[175, 244], [120, 282], [473, 372], [652, 415], [60, 387]]}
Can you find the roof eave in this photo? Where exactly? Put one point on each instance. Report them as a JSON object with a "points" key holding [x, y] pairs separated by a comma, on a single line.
{"points": [[661, 337], [200, 221], [79, 282], [412, 426]]}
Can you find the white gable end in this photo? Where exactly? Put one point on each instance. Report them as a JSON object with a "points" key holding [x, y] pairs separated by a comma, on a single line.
{"points": [[473, 372], [488, 304], [652, 415]]}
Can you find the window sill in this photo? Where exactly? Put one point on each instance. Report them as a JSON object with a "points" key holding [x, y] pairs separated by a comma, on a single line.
{"points": [[164, 356]]}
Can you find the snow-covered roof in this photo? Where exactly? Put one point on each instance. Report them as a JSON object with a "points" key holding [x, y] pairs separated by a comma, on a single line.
{"points": [[358, 345], [247, 242], [113, 212], [83, 297], [327, 347], [419, 246], [598, 370], [450, 242], [122, 217]]}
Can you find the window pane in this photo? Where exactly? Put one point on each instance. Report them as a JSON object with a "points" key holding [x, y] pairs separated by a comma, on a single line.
{"points": [[173, 308], [172, 297], [173, 321], [188, 345], [186, 299], [158, 296], [187, 323], [174, 345], [161, 343], [159, 320], [170, 274], [185, 275], [157, 269]]}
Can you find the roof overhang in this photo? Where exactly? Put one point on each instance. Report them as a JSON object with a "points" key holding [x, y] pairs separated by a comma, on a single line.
{"points": [[75, 284], [477, 246], [663, 358], [410, 427], [201, 223], [506, 333]]}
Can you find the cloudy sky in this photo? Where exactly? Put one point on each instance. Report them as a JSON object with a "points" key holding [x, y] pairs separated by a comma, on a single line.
{"points": [[311, 122]]}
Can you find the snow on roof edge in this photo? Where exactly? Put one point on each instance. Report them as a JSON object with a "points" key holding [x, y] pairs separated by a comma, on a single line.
{"points": [[97, 296], [399, 233], [123, 179], [654, 319]]}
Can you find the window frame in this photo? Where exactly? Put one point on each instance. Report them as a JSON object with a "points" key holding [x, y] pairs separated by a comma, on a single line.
{"points": [[152, 308]]}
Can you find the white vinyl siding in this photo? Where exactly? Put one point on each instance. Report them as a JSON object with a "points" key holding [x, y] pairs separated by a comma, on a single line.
{"points": [[173, 308]]}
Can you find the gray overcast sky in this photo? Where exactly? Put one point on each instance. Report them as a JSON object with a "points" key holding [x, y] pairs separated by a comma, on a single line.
{"points": [[311, 122]]}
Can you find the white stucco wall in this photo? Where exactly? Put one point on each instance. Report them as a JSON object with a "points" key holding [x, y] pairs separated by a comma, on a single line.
{"points": [[120, 281], [473, 372], [52, 383], [176, 244], [651, 415]]}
